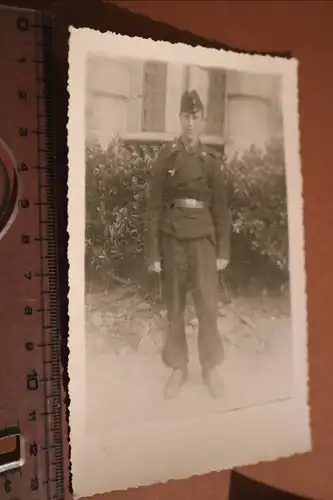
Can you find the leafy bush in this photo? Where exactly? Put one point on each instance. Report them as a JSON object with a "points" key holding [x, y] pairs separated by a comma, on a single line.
{"points": [[258, 201], [116, 186]]}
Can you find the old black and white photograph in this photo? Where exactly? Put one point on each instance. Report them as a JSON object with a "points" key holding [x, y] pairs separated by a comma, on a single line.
{"points": [[187, 303]]}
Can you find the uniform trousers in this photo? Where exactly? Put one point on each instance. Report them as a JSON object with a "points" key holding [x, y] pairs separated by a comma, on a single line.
{"points": [[190, 266]]}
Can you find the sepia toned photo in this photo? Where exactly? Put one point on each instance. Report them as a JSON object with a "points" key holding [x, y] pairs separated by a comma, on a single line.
{"points": [[187, 303]]}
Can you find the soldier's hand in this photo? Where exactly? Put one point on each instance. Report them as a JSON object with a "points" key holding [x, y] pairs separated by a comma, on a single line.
{"points": [[155, 267], [221, 264]]}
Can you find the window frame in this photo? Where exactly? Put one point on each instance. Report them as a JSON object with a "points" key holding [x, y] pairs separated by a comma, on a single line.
{"points": [[151, 101]]}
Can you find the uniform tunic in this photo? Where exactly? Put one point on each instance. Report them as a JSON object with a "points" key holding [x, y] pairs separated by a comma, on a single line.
{"points": [[187, 242]]}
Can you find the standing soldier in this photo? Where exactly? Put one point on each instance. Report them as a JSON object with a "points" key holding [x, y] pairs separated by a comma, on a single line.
{"points": [[189, 242]]}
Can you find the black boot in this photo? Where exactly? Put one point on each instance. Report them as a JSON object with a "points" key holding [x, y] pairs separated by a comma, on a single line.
{"points": [[212, 380], [176, 380]]}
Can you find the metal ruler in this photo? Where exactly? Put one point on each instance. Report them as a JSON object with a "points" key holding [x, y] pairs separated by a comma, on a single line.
{"points": [[31, 446]]}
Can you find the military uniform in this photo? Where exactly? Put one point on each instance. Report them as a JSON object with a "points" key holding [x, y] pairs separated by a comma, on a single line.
{"points": [[189, 228]]}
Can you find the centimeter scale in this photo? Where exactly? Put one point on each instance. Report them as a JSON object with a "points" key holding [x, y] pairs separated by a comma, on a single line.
{"points": [[31, 454]]}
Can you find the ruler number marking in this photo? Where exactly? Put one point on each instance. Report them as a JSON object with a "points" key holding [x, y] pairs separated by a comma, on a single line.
{"points": [[28, 275], [32, 381], [29, 346], [23, 24], [22, 95], [34, 483], [23, 167], [7, 485], [33, 449], [25, 239], [28, 311], [23, 132], [32, 416], [24, 203]]}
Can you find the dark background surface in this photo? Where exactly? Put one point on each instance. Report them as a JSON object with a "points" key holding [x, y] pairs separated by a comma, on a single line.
{"points": [[302, 28]]}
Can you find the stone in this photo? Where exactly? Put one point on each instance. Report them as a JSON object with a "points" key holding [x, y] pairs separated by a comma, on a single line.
{"points": [[147, 345], [100, 344], [109, 320], [261, 346], [159, 339], [160, 323], [110, 316], [96, 318], [247, 321], [222, 312], [189, 330], [126, 350], [144, 306], [194, 322]]}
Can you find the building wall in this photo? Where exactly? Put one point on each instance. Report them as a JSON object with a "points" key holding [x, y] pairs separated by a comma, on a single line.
{"points": [[142, 103], [253, 110], [113, 105]]}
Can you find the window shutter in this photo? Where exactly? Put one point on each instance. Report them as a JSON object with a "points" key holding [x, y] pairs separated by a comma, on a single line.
{"points": [[154, 97], [216, 103]]}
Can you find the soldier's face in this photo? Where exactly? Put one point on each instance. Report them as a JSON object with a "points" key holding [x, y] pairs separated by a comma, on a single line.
{"points": [[191, 125]]}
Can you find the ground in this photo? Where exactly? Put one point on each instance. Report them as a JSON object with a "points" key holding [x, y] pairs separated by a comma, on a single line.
{"points": [[125, 375]]}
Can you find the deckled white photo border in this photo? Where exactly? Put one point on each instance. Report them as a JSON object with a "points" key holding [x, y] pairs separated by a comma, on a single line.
{"points": [[219, 442]]}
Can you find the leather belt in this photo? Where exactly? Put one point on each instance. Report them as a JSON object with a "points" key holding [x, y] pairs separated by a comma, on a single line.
{"points": [[188, 203]]}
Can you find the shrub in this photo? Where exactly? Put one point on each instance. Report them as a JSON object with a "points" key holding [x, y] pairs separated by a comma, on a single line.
{"points": [[116, 186], [258, 201]]}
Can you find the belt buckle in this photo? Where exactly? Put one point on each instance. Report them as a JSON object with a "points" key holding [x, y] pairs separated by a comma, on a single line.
{"points": [[190, 202]]}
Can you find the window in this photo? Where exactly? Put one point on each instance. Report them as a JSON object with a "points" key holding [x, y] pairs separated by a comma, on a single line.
{"points": [[216, 103], [108, 113], [199, 81], [211, 87], [248, 122], [154, 97]]}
